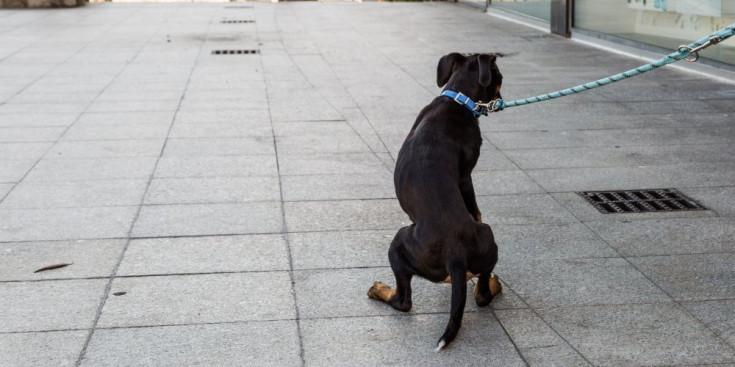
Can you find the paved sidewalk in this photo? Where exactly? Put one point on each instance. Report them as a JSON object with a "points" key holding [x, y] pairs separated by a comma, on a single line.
{"points": [[234, 209]]}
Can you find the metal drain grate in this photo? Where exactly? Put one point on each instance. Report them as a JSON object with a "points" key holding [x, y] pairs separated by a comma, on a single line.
{"points": [[227, 21], [235, 52], [640, 201]]}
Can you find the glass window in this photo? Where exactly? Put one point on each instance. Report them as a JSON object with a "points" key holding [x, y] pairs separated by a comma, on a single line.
{"points": [[536, 8], [663, 23]]}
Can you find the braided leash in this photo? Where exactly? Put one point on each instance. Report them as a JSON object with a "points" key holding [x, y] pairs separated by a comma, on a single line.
{"points": [[689, 53]]}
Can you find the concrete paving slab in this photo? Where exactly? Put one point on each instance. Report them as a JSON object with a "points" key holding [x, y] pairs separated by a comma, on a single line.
{"points": [[691, 277], [88, 258], [320, 250], [209, 219], [338, 187], [522, 209], [54, 348], [75, 194], [5, 188], [92, 169], [219, 146], [549, 242], [35, 119], [134, 105], [667, 236], [637, 335], [606, 156], [212, 190], [504, 183], [557, 355], [406, 340], [49, 305], [197, 299], [721, 200], [322, 164], [272, 343], [106, 149], [22, 151], [639, 177], [316, 143], [91, 118], [189, 255], [261, 116], [551, 283], [259, 129], [13, 171], [718, 316], [216, 166], [65, 223], [30, 134], [346, 215], [82, 132]]}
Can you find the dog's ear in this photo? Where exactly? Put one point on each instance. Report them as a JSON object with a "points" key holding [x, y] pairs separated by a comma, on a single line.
{"points": [[485, 64], [447, 65]]}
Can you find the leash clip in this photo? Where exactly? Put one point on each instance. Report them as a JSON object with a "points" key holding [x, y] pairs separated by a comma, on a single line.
{"points": [[694, 52], [492, 106]]}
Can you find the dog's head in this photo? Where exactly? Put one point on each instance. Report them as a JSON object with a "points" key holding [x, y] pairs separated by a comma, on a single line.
{"points": [[475, 75]]}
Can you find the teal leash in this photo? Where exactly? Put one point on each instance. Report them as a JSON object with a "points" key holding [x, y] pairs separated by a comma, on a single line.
{"points": [[689, 53]]}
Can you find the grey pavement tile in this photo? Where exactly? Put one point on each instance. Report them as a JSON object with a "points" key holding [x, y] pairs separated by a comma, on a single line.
{"points": [[549, 242], [53, 97], [65, 224], [106, 148], [13, 171], [183, 255], [338, 186], [251, 102], [50, 305], [230, 129], [43, 107], [537, 342], [126, 118], [667, 236], [81, 132], [621, 137], [406, 340], [309, 216], [316, 128], [197, 299], [606, 156], [217, 166], [588, 213], [4, 189], [522, 209], [650, 334], [718, 316], [643, 177], [319, 250], [88, 258], [208, 219], [75, 194], [33, 119], [261, 116], [718, 199], [320, 164], [219, 146], [300, 105], [691, 277], [315, 301], [20, 151], [109, 95], [55, 348], [134, 105], [504, 183], [212, 190], [272, 343], [29, 134], [550, 283], [315, 143], [92, 169]]}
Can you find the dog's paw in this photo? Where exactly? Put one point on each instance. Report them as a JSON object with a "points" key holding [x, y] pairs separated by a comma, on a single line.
{"points": [[495, 286], [377, 288]]}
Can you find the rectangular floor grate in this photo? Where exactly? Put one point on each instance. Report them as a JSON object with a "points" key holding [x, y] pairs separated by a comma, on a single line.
{"points": [[228, 21], [640, 201], [235, 52]]}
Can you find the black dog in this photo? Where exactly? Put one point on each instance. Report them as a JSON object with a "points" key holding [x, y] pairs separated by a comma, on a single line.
{"points": [[447, 239]]}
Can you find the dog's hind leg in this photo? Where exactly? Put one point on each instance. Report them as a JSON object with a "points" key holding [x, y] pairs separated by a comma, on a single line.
{"points": [[400, 298], [457, 271], [488, 284]]}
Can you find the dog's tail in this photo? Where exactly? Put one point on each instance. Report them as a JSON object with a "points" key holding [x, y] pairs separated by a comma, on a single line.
{"points": [[457, 271]]}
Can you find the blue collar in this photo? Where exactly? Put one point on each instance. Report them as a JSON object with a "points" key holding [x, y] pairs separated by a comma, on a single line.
{"points": [[465, 101]]}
